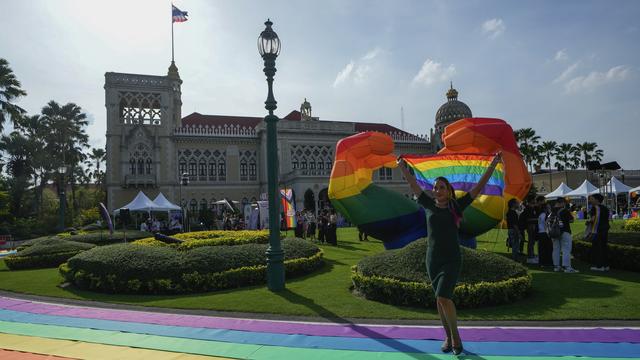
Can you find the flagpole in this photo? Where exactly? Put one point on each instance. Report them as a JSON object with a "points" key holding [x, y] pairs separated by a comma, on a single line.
{"points": [[172, 39]]}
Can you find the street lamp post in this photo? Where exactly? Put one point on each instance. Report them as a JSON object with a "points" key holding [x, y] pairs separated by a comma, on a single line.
{"points": [[269, 48], [62, 170], [184, 180]]}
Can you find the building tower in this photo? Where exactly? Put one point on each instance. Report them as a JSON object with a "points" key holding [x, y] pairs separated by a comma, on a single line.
{"points": [[142, 112], [451, 111]]}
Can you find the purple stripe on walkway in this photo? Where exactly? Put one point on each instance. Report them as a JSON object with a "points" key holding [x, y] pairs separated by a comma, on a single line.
{"points": [[329, 329]]}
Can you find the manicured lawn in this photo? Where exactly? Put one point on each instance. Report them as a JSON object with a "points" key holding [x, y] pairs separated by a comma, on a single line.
{"points": [[555, 296]]}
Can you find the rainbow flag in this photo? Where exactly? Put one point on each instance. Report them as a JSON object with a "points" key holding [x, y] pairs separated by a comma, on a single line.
{"points": [[463, 172], [288, 207]]}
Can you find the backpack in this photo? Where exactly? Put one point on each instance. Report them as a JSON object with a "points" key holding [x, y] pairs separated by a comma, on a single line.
{"points": [[554, 225]]}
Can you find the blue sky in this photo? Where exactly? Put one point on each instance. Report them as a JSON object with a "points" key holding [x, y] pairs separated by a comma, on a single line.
{"points": [[568, 69]]}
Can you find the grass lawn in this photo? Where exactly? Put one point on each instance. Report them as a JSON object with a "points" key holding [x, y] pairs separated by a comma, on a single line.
{"points": [[555, 296]]}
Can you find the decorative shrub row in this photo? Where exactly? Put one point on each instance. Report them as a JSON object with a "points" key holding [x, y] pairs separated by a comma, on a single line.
{"points": [[621, 256], [632, 225], [96, 238], [399, 277], [397, 292], [197, 239], [158, 270], [46, 253]]}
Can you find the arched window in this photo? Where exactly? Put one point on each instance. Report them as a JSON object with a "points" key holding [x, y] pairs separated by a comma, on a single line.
{"points": [[203, 204], [222, 170], [212, 203], [212, 171], [303, 164], [202, 170], [244, 171], [193, 206], [253, 170], [182, 166], [148, 166], [193, 169], [132, 166], [140, 166]]}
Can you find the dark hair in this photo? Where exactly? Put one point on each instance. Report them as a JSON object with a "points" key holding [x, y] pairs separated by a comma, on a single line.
{"points": [[598, 197], [512, 202], [453, 205], [540, 198], [561, 200]]}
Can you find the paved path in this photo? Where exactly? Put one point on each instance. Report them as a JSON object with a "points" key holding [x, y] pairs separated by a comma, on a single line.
{"points": [[35, 327]]}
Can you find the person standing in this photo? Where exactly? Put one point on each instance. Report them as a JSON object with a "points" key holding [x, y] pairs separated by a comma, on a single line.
{"points": [[513, 229], [599, 220], [545, 246], [563, 243], [322, 226], [443, 258], [332, 228]]}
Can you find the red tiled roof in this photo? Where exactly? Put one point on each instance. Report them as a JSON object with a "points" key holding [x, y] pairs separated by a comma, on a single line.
{"points": [[219, 120]]}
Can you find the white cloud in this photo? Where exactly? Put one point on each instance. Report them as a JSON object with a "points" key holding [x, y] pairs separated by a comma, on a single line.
{"points": [[493, 28], [343, 75], [432, 72], [561, 55], [566, 73], [372, 54], [596, 79], [358, 71]]}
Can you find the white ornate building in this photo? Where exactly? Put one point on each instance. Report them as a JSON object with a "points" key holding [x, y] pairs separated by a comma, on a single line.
{"points": [[149, 144]]}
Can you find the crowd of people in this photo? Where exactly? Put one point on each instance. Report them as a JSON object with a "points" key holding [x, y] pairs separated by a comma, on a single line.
{"points": [[549, 225], [155, 225], [323, 228]]}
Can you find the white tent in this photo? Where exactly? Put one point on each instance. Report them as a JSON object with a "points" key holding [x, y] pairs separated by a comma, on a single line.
{"points": [[165, 204], [560, 191], [635, 189], [615, 186], [584, 190], [140, 203]]}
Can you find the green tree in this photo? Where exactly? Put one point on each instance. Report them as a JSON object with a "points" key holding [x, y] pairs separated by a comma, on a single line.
{"points": [[589, 152], [19, 150], [66, 142], [98, 156], [527, 141], [9, 91]]}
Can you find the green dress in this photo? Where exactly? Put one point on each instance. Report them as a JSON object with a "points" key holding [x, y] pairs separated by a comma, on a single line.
{"points": [[443, 254]]}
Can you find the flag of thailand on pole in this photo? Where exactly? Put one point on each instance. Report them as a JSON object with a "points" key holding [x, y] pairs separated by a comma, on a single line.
{"points": [[178, 15]]}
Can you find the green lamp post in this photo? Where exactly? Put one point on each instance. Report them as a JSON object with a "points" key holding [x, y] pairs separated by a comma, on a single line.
{"points": [[62, 170], [269, 48]]}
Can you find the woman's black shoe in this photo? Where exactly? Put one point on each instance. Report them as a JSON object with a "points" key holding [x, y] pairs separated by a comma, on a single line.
{"points": [[457, 350], [446, 347]]}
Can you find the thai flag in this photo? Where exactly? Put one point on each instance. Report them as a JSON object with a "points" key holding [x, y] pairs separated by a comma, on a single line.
{"points": [[178, 15]]}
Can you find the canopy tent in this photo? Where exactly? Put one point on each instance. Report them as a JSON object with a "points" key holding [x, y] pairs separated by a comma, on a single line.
{"points": [[165, 204], [635, 189], [141, 203], [615, 186], [584, 190], [560, 191], [231, 205]]}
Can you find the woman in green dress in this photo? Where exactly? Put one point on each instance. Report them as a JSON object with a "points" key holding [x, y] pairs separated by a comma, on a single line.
{"points": [[444, 213]]}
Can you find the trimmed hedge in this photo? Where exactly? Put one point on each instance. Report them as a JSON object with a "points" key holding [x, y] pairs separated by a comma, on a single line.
{"points": [[399, 277], [197, 239], [624, 250], [131, 268], [632, 224], [96, 238], [46, 253]]}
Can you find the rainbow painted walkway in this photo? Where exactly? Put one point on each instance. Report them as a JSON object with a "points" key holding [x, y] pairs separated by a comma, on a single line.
{"points": [[37, 330]]}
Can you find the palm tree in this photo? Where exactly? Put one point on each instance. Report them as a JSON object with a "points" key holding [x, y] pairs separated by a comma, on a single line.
{"points": [[9, 91], [527, 141], [565, 156], [66, 140], [589, 152], [98, 155], [34, 129], [546, 150], [19, 150]]}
